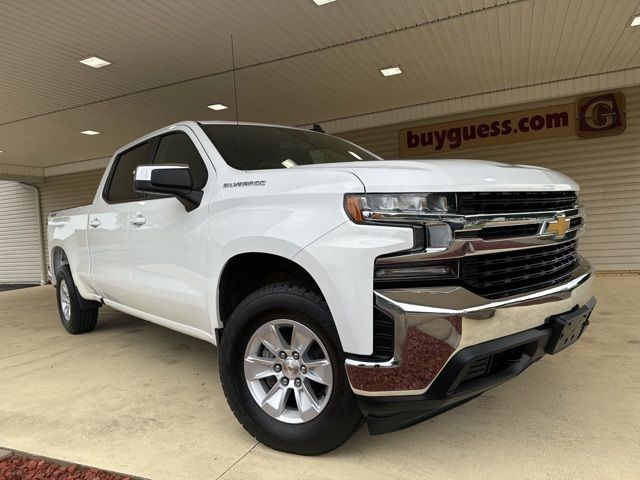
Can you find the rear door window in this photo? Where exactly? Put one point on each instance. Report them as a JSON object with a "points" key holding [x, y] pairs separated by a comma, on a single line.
{"points": [[120, 187]]}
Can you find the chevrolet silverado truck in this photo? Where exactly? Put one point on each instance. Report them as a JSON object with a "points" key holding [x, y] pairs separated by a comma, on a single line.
{"points": [[338, 287]]}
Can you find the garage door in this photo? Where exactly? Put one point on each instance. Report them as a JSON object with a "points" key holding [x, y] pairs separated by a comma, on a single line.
{"points": [[20, 247]]}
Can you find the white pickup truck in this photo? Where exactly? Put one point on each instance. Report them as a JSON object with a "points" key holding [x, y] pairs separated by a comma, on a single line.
{"points": [[339, 287]]}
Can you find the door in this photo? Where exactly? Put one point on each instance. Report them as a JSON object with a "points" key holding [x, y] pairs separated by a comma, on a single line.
{"points": [[168, 244], [108, 229], [20, 239]]}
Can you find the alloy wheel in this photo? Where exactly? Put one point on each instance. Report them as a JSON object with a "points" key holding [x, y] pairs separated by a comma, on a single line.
{"points": [[288, 371]]}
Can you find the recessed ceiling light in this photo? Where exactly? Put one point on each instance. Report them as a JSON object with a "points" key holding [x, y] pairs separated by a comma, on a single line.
{"points": [[387, 72], [89, 132], [636, 21], [95, 62], [322, 2], [217, 106]]}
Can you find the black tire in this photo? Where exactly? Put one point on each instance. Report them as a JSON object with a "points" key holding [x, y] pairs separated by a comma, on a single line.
{"points": [[341, 416], [80, 320]]}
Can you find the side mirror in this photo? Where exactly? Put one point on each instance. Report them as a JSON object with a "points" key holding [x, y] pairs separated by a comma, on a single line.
{"points": [[174, 180]]}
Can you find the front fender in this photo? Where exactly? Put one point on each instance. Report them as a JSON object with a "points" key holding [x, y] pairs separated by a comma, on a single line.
{"points": [[255, 244], [341, 262], [288, 210]]}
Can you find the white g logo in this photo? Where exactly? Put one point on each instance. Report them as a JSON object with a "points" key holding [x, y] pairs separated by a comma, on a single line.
{"points": [[600, 114]]}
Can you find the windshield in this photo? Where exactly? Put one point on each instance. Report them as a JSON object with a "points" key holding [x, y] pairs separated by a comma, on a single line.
{"points": [[255, 147]]}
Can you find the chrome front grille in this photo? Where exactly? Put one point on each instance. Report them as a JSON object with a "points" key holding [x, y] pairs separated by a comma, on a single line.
{"points": [[504, 244], [508, 231], [509, 273], [473, 203], [497, 228]]}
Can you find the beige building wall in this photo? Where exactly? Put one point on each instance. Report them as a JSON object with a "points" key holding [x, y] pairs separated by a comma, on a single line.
{"points": [[607, 169]]}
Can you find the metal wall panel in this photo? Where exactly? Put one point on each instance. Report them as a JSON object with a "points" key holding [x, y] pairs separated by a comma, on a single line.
{"points": [[20, 247], [607, 169]]}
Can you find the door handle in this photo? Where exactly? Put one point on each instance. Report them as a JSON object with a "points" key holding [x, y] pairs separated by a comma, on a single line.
{"points": [[139, 220], [95, 223]]}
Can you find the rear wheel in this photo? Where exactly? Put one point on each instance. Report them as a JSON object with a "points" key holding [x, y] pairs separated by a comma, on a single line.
{"points": [[282, 370], [74, 318]]}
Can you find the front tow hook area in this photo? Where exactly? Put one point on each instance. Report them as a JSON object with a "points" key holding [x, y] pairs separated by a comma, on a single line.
{"points": [[472, 371]]}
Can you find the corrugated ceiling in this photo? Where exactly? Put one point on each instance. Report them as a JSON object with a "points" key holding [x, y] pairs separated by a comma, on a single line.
{"points": [[297, 63]]}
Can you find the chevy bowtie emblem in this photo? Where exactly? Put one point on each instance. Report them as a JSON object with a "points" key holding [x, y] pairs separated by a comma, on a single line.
{"points": [[559, 226]]}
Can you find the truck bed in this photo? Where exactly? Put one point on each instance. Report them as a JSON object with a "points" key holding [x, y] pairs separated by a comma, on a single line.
{"points": [[67, 229]]}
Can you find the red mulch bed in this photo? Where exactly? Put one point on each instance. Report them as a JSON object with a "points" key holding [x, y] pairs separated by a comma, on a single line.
{"points": [[22, 468]]}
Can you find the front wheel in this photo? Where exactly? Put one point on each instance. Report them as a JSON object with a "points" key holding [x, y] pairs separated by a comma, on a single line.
{"points": [[282, 371]]}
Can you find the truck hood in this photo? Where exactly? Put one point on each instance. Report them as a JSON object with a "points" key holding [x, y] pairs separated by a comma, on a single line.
{"points": [[450, 175]]}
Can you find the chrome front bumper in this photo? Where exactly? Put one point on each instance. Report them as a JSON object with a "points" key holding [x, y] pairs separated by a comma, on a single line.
{"points": [[433, 324]]}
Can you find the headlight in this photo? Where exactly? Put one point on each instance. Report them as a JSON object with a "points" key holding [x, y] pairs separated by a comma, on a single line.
{"points": [[397, 207], [416, 210]]}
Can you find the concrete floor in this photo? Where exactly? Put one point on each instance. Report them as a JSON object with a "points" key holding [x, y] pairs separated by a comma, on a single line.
{"points": [[6, 287], [137, 398]]}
